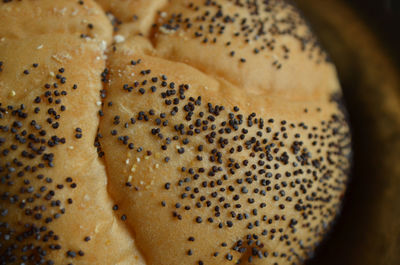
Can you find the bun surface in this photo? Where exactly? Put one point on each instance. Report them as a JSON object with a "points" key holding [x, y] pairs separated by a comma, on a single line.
{"points": [[183, 132]]}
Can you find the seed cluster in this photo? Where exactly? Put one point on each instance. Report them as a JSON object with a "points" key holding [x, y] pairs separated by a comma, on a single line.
{"points": [[249, 171], [29, 140], [256, 24]]}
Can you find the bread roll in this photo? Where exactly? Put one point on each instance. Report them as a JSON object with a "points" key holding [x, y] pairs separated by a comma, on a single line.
{"points": [[209, 132]]}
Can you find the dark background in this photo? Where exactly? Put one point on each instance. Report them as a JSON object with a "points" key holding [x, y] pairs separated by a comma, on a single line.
{"points": [[383, 16], [363, 39]]}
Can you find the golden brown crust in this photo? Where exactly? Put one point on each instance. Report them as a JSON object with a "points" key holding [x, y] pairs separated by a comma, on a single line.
{"points": [[53, 185], [89, 213], [147, 153], [29, 19], [257, 50], [209, 157]]}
